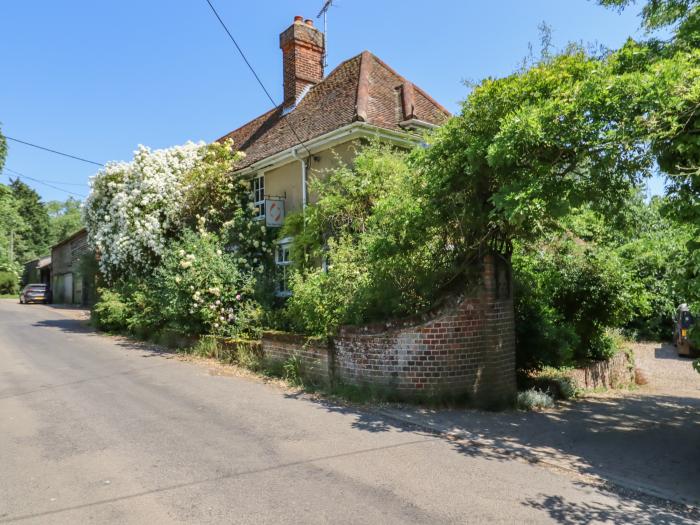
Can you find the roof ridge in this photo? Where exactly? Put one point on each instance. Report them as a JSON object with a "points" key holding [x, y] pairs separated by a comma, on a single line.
{"points": [[405, 81]]}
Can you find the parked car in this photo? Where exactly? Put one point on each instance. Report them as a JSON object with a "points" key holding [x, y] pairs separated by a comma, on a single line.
{"points": [[683, 322], [34, 293]]}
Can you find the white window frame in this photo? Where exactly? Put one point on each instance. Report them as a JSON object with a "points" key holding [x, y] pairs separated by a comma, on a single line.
{"points": [[257, 187], [283, 263]]}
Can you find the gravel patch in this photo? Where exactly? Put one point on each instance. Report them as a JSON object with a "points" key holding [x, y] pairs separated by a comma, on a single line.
{"points": [[668, 373]]}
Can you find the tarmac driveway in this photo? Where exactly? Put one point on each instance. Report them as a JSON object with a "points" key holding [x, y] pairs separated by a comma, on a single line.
{"points": [[646, 439]]}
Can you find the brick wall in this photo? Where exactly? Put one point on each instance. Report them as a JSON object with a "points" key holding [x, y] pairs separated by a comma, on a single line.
{"points": [[466, 350], [616, 372], [302, 58], [314, 354]]}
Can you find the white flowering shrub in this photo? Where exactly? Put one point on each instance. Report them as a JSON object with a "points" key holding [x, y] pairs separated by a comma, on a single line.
{"points": [[178, 242], [133, 207], [136, 208]]}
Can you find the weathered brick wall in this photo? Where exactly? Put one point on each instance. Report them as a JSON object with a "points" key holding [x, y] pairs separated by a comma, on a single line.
{"points": [[614, 373], [467, 350], [313, 353]]}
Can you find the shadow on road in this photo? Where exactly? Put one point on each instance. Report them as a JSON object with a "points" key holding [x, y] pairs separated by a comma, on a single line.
{"points": [[645, 440], [649, 442], [643, 512], [77, 326], [74, 326]]}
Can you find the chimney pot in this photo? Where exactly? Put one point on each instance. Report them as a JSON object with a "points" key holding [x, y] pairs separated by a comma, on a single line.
{"points": [[298, 18], [309, 22]]}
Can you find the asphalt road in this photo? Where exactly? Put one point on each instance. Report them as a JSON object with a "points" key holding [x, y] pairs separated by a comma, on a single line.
{"points": [[94, 430]]}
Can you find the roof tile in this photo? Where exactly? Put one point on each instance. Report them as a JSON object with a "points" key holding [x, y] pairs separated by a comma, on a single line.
{"points": [[361, 88]]}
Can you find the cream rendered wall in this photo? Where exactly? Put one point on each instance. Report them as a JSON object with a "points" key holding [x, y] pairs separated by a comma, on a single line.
{"points": [[286, 180], [329, 159]]}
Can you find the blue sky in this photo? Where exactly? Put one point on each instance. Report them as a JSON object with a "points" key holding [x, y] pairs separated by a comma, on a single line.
{"points": [[96, 79]]}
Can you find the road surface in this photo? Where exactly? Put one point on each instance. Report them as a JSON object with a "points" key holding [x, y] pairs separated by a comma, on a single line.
{"points": [[97, 430]]}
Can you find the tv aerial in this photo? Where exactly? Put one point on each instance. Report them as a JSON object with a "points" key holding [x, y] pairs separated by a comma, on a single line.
{"points": [[324, 13]]}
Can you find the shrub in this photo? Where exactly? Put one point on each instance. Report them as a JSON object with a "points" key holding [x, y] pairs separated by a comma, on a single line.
{"points": [[534, 399], [324, 300], [567, 295], [201, 289], [9, 283], [557, 381], [111, 312], [207, 347], [293, 371], [386, 256]]}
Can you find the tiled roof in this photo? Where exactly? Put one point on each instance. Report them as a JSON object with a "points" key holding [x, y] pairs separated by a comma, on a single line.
{"points": [[362, 88]]}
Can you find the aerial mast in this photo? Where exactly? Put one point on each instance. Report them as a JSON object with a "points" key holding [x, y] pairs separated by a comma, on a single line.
{"points": [[324, 12]]}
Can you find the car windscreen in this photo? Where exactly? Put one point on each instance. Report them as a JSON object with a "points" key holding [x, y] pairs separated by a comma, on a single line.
{"points": [[37, 288]]}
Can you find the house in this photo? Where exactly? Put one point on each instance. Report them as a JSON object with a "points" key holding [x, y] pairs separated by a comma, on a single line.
{"points": [[71, 281], [322, 121]]}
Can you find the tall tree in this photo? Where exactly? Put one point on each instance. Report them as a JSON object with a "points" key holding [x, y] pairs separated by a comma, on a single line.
{"points": [[3, 150], [35, 236], [11, 225], [65, 218]]}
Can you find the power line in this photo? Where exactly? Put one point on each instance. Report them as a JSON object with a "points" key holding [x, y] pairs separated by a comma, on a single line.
{"points": [[62, 183], [23, 176], [54, 151], [252, 70]]}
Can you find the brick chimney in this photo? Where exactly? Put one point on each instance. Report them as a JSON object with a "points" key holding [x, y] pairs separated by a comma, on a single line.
{"points": [[302, 56]]}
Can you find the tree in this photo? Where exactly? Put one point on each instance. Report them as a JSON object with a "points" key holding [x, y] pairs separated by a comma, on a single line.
{"points": [[34, 237], [3, 150], [11, 224], [673, 121], [65, 218]]}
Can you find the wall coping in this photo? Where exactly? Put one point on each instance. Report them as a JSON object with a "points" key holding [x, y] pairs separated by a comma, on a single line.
{"points": [[294, 338]]}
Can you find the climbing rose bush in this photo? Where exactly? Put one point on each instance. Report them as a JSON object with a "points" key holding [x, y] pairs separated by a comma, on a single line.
{"points": [[133, 206], [137, 208], [200, 288]]}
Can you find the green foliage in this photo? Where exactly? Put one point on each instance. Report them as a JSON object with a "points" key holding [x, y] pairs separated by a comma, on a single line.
{"points": [[385, 255], [203, 258], [202, 289], [653, 250], [11, 226], [111, 313], [33, 239], [557, 381], [3, 150], [322, 300], [198, 289], [566, 297], [65, 219], [533, 399], [682, 16], [212, 191], [9, 283], [208, 347], [293, 372]]}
